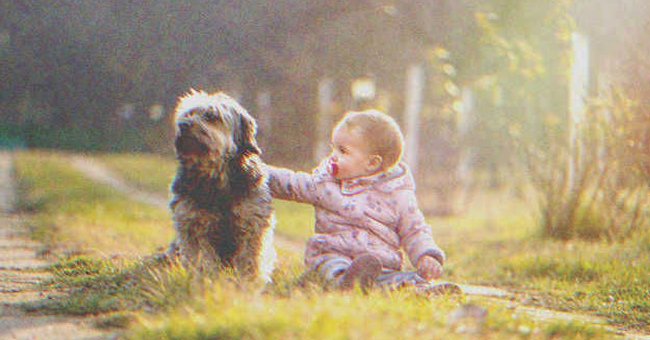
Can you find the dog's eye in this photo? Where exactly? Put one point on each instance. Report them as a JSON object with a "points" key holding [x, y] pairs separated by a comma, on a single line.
{"points": [[209, 116]]}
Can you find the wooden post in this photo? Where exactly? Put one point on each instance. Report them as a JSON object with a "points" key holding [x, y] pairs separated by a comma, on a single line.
{"points": [[578, 92], [604, 82], [414, 98], [324, 124], [464, 170], [264, 115]]}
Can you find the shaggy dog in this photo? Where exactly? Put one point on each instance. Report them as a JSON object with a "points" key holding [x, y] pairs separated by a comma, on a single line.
{"points": [[221, 202]]}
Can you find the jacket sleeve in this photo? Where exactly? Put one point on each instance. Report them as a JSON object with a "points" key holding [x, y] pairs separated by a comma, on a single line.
{"points": [[414, 232], [292, 185]]}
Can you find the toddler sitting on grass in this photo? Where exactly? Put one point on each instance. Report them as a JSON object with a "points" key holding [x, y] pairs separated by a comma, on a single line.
{"points": [[366, 210]]}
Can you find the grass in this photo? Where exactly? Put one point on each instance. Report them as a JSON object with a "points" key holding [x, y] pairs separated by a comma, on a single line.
{"points": [[495, 243], [608, 279], [92, 286], [147, 171], [70, 211]]}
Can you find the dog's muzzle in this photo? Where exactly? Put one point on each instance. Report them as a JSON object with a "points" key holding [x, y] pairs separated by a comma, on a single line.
{"points": [[186, 142]]}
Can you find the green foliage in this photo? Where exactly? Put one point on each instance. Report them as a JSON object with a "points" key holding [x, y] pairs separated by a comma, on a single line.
{"points": [[575, 331], [10, 138], [520, 79], [497, 243], [227, 312], [168, 286], [574, 270], [498, 80], [116, 320], [77, 268]]}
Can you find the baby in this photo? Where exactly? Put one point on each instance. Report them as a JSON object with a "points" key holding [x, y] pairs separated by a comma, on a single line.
{"points": [[366, 209]]}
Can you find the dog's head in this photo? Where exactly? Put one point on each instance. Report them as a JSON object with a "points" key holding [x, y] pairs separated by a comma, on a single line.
{"points": [[213, 126]]}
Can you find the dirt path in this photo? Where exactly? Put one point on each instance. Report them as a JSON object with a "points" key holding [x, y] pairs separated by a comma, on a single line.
{"points": [[21, 271], [97, 172]]}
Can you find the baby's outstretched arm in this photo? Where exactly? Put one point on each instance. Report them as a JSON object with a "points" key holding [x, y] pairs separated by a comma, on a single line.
{"points": [[292, 185]]}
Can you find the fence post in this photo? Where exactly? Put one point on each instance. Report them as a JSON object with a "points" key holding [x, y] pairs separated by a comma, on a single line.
{"points": [[413, 106], [324, 122], [464, 169], [578, 92], [264, 115]]}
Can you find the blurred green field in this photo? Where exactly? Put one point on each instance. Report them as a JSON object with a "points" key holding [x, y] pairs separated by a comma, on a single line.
{"points": [[70, 212], [495, 243]]}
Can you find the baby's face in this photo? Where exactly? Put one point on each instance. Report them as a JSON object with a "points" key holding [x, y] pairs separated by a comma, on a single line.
{"points": [[350, 156]]}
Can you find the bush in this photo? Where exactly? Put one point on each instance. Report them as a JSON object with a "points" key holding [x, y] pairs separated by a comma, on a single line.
{"points": [[598, 188]]}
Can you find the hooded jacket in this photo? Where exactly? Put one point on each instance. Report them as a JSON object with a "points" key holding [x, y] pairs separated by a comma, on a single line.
{"points": [[378, 214]]}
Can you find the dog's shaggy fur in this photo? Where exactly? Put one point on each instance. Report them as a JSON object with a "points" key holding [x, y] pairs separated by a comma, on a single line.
{"points": [[221, 202]]}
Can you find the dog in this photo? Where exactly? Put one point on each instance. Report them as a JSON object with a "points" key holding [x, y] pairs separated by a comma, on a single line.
{"points": [[221, 203]]}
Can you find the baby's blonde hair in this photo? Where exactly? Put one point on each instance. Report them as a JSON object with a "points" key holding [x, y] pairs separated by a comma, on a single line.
{"points": [[380, 131]]}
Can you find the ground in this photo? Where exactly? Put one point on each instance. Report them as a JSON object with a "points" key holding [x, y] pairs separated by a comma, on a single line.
{"points": [[22, 269]]}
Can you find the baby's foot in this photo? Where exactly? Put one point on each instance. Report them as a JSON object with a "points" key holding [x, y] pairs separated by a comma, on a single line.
{"points": [[364, 269], [445, 288]]}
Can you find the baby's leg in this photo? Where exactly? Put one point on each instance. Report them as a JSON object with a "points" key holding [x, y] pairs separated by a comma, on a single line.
{"points": [[396, 280], [364, 270], [344, 272], [392, 280], [332, 266]]}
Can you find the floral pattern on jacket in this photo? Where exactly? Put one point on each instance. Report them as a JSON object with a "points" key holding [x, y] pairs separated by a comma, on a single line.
{"points": [[378, 214]]}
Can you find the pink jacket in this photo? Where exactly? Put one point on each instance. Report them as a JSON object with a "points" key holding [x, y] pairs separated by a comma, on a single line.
{"points": [[377, 214]]}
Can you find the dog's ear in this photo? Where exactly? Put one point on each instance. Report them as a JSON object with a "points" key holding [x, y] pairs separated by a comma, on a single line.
{"points": [[245, 135]]}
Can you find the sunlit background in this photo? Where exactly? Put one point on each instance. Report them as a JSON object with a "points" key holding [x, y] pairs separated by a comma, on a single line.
{"points": [[487, 92], [527, 126]]}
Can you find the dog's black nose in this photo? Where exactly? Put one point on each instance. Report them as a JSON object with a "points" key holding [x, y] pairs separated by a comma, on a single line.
{"points": [[184, 126]]}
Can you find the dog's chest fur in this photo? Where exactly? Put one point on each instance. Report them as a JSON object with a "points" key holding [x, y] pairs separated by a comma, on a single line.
{"points": [[217, 191]]}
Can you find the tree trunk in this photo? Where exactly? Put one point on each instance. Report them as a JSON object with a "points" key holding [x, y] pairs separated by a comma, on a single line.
{"points": [[578, 92], [324, 123], [414, 96]]}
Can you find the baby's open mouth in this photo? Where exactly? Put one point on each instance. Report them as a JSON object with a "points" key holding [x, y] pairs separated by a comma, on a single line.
{"points": [[334, 168]]}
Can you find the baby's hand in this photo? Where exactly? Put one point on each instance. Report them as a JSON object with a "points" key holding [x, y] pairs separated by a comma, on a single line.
{"points": [[429, 268]]}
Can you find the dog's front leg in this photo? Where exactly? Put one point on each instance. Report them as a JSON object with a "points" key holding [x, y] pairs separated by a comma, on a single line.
{"points": [[195, 235], [249, 239], [253, 221]]}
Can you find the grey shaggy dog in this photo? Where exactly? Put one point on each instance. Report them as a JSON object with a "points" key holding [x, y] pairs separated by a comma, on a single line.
{"points": [[221, 203]]}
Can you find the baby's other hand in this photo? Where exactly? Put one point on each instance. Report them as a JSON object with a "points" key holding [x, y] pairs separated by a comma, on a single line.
{"points": [[429, 268]]}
